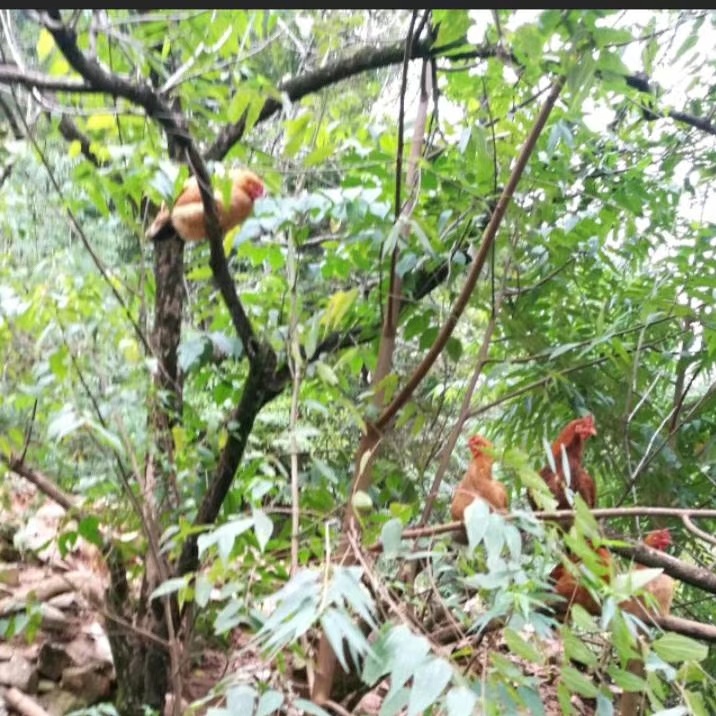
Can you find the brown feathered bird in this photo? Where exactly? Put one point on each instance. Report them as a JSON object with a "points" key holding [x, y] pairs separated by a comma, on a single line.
{"points": [[477, 482], [572, 439], [567, 581], [186, 217], [662, 586]]}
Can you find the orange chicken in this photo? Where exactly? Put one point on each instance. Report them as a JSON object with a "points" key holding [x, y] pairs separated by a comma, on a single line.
{"points": [[662, 587], [477, 481], [186, 217]]}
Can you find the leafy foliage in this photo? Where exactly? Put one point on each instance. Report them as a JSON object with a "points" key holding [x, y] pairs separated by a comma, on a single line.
{"points": [[600, 287]]}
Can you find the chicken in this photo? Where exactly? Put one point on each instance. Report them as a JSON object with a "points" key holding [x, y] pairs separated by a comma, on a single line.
{"points": [[567, 585], [661, 587], [477, 481], [572, 439], [186, 217], [632, 703], [566, 582]]}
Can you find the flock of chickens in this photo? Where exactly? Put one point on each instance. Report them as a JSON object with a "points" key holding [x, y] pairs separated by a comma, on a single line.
{"points": [[567, 452], [186, 219]]}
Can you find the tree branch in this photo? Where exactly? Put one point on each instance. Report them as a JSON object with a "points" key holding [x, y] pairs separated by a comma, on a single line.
{"points": [[43, 483], [477, 263], [219, 266], [71, 133], [100, 80], [368, 58], [699, 577], [12, 74]]}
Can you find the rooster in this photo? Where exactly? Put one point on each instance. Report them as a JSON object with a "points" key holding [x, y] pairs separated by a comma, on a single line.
{"points": [[477, 481], [186, 217], [572, 439]]}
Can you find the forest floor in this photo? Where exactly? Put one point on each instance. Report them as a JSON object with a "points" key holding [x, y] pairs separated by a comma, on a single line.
{"points": [[56, 656]]}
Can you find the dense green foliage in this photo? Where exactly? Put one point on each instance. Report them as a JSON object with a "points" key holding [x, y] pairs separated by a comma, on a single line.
{"points": [[601, 285]]}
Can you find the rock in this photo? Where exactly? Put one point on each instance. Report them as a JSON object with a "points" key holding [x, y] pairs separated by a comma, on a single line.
{"points": [[59, 702], [87, 682], [10, 575], [68, 602], [20, 673], [83, 650], [53, 660]]}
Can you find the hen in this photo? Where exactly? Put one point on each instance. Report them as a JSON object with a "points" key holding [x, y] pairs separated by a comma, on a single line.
{"points": [[186, 217], [661, 587], [568, 586], [477, 481], [572, 439]]}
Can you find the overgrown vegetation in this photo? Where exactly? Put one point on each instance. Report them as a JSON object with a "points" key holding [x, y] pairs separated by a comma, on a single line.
{"points": [[248, 469]]}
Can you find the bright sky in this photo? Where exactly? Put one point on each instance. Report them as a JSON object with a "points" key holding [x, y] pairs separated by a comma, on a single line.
{"points": [[667, 73]]}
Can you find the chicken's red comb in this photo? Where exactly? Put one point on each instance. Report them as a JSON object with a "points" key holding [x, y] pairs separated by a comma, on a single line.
{"points": [[476, 444], [658, 539], [586, 425]]}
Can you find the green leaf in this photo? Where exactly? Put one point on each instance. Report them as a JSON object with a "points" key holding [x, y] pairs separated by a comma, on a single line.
{"points": [[101, 122], [476, 522], [361, 501], [310, 708], [452, 25], [202, 590], [269, 702], [224, 537], [263, 528], [576, 650], [45, 44], [674, 648], [169, 587], [460, 701], [518, 646], [578, 683], [626, 680], [390, 536], [428, 683], [338, 306], [88, 528], [326, 373], [240, 699]]}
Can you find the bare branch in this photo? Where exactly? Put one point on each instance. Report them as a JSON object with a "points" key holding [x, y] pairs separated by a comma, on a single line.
{"points": [[219, 266], [368, 58], [100, 80], [477, 264], [43, 483], [31, 79]]}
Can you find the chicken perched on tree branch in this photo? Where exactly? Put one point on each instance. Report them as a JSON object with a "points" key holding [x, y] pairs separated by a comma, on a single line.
{"points": [[477, 482], [186, 217], [568, 581], [571, 440], [661, 587]]}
